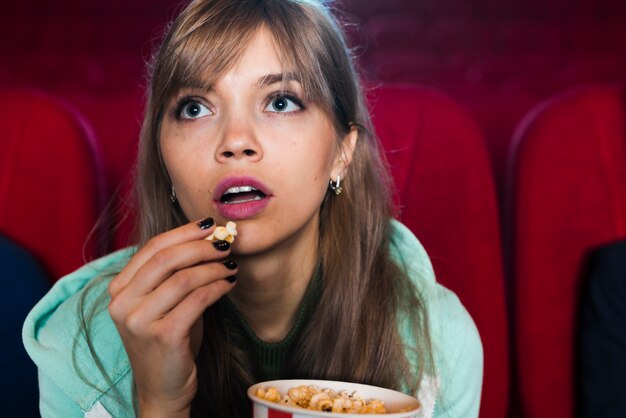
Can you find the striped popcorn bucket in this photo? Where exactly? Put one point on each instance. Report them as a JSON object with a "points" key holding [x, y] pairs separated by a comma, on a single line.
{"points": [[397, 405]]}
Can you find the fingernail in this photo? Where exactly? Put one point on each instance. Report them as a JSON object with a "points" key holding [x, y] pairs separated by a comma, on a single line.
{"points": [[207, 223], [221, 245], [230, 264], [232, 279]]}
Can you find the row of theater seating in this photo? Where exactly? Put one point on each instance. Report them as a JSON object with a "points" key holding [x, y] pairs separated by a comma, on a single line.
{"points": [[496, 60], [564, 196], [488, 55]]}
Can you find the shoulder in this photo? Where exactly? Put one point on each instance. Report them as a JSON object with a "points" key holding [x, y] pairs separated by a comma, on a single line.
{"points": [[410, 255], [54, 335], [456, 345], [458, 354], [448, 318]]}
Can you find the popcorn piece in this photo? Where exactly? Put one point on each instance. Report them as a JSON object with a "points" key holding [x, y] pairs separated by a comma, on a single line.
{"points": [[271, 394], [224, 233]]}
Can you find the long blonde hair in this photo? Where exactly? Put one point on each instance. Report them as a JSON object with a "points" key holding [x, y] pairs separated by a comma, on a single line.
{"points": [[363, 289]]}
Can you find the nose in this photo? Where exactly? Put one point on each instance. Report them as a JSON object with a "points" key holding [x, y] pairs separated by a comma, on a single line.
{"points": [[239, 141]]}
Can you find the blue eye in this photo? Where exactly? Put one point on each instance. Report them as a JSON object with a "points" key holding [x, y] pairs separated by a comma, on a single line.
{"points": [[193, 110], [283, 104]]}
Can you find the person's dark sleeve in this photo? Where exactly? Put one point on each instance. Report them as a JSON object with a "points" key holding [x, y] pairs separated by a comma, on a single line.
{"points": [[602, 356]]}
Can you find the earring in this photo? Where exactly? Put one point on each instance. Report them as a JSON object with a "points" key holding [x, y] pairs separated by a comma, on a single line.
{"points": [[173, 195], [335, 186]]}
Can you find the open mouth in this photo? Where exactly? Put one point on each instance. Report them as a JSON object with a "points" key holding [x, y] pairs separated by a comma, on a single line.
{"points": [[241, 194]]}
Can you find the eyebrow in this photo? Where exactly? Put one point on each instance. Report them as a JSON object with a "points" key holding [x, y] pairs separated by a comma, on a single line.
{"points": [[270, 79]]}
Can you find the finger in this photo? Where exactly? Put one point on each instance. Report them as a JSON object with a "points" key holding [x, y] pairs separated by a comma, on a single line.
{"points": [[168, 261], [180, 319], [189, 232], [174, 290]]}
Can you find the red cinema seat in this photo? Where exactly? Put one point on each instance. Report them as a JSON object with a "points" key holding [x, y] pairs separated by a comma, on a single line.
{"points": [[446, 195], [50, 180], [568, 195], [118, 144]]}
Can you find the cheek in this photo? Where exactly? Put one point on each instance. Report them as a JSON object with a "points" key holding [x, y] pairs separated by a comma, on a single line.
{"points": [[180, 154], [312, 173], [178, 167], [185, 168], [308, 164], [169, 152]]}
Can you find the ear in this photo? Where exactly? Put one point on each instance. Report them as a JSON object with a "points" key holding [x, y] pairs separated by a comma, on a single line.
{"points": [[344, 154]]}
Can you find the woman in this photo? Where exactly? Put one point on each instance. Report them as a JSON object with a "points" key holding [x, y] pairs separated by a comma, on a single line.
{"points": [[255, 115]]}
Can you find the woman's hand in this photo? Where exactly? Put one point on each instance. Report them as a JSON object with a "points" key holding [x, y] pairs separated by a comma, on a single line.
{"points": [[157, 303]]}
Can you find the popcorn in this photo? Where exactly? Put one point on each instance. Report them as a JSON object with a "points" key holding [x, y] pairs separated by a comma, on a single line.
{"points": [[271, 394], [224, 233], [317, 399]]}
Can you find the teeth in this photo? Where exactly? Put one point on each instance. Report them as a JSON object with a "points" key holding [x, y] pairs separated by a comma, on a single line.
{"points": [[244, 201], [240, 189]]}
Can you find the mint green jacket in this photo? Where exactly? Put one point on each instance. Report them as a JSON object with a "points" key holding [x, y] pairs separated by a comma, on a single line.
{"points": [[71, 385]]}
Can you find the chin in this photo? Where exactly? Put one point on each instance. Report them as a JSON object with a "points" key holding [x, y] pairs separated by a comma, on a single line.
{"points": [[249, 249]]}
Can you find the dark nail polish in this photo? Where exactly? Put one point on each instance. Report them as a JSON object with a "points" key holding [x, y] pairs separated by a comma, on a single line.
{"points": [[230, 264], [207, 223], [232, 279], [221, 245]]}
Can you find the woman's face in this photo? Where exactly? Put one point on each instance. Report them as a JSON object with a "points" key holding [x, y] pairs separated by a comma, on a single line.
{"points": [[248, 149]]}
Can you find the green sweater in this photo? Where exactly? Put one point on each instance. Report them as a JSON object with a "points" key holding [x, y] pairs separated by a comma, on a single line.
{"points": [[72, 385], [271, 358]]}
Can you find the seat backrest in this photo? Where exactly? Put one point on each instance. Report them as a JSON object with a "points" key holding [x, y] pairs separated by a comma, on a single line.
{"points": [[50, 180], [118, 146], [446, 195], [568, 195]]}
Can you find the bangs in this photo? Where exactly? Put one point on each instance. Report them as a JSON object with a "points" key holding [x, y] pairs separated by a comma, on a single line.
{"points": [[199, 51], [198, 54]]}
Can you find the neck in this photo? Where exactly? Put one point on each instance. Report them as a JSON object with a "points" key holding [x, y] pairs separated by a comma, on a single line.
{"points": [[271, 285]]}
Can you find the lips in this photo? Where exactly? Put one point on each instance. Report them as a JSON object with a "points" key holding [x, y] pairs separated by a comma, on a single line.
{"points": [[241, 197]]}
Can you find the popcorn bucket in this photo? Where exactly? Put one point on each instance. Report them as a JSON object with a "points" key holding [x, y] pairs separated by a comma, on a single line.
{"points": [[397, 405]]}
